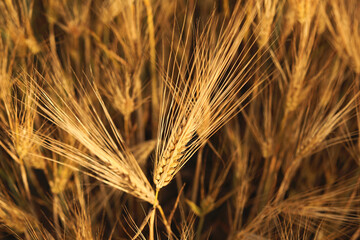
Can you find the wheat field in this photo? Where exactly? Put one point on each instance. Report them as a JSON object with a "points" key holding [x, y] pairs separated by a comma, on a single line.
{"points": [[184, 119]]}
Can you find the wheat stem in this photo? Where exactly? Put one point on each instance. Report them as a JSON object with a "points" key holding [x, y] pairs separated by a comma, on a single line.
{"points": [[200, 226], [56, 214], [154, 85], [25, 179]]}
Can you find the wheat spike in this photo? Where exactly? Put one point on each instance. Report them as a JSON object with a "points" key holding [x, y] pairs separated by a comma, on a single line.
{"points": [[210, 98], [175, 149], [110, 160]]}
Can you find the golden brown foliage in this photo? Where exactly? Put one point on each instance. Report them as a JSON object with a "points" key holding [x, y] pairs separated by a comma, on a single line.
{"points": [[154, 119]]}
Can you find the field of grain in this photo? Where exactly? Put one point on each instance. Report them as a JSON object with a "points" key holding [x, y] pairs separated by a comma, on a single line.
{"points": [[184, 119]]}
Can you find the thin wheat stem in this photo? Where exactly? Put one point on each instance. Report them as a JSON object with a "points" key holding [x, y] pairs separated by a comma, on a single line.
{"points": [[152, 45], [152, 225], [200, 227], [25, 180], [56, 214], [166, 223]]}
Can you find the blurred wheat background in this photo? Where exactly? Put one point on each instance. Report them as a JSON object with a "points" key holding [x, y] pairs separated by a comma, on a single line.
{"points": [[184, 119]]}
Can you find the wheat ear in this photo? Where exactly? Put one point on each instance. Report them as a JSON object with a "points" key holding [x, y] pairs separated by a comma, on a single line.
{"points": [[105, 158], [210, 98]]}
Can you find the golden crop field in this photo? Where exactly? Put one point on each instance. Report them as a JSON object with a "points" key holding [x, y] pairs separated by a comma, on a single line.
{"points": [[180, 119]]}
